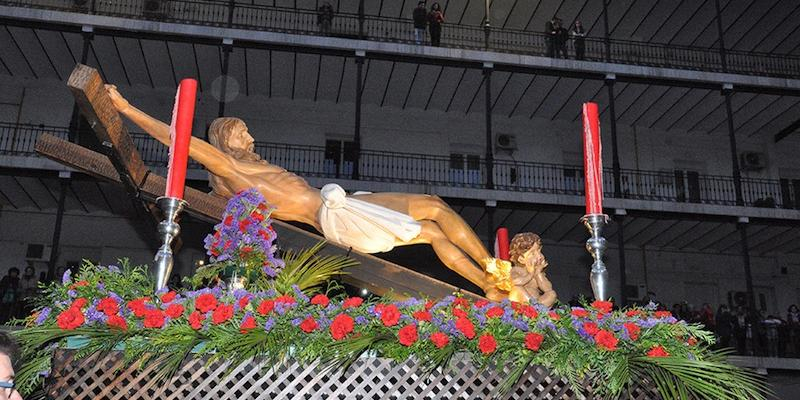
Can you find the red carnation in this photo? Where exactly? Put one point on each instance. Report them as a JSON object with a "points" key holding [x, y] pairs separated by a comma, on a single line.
{"points": [[691, 341], [657, 351], [408, 335], [341, 326], [222, 313], [481, 303], [115, 321], [174, 311], [429, 304], [247, 324], [243, 224], [606, 340], [70, 319], [439, 339], [265, 307], [603, 306], [285, 299], [390, 315], [590, 328], [244, 301], [320, 300], [465, 326], [196, 320], [153, 318], [352, 302], [205, 302], [308, 325], [632, 329], [633, 313], [228, 220], [529, 311], [257, 216], [460, 301], [554, 315], [579, 312], [79, 303], [138, 306], [662, 314], [108, 306], [495, 312], [533, 341], [459, 313], [422, 315], [487, 344], [168, 297]]}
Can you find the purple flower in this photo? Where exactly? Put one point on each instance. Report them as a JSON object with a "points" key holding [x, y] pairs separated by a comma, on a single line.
{"points": [[269, 324], [94, 316], [297, 321], [361, 320], [299, 294], [67, 277], [113, 269], [101, 287], [43, 314], [72, 293], [520, 324]]}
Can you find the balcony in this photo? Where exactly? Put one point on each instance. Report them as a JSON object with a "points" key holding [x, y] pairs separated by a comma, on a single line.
{"points": [[410, 168], [399, 30]]}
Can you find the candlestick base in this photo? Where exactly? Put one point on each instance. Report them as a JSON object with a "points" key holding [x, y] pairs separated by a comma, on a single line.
{"points": [[169, 229], [596, 245]]}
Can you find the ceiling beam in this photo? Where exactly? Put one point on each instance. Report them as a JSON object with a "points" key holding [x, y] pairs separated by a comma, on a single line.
{"points": [[792, 128]]}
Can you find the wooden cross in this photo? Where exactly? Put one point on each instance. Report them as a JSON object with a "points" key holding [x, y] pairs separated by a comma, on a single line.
{"points": [[124, 165]]}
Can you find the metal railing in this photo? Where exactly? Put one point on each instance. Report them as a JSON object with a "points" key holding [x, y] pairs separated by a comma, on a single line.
{"points": [[517, 176], [304, 21]]}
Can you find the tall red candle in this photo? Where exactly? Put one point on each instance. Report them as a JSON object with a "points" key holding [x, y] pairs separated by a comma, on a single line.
{"points": [[592, 159], [501, 244], [180, 132]]}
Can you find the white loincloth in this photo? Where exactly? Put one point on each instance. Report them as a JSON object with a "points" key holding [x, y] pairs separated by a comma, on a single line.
{"points": [[365, 227]]}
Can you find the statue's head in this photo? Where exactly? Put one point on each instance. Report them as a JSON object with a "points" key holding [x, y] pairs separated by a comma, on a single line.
{"points": [[232, 137], [526, 250]]}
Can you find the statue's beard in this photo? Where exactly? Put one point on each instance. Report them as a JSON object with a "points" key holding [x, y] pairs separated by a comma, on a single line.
{"points": [[244, 155]]}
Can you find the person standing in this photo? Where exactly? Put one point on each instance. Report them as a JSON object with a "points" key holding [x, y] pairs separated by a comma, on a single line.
{"points": [[9, 294], [9, 357], [562, 36], [724, 326], [420, 17], [578, 39], [793, 327], [28, 285], [435, 21], [325, 18], [550, 37]]}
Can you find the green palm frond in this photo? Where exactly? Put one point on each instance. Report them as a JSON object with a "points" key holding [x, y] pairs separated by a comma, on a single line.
{"points": [[710, 378], [308, 270]]}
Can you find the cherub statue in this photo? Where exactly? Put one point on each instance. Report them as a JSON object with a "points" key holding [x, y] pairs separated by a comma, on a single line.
{"points": [[367, 222], [527, 275]]}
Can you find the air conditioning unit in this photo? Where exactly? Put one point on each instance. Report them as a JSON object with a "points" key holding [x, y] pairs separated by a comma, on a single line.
{"points": [[37, 252], [506, 142], [752, 161]]}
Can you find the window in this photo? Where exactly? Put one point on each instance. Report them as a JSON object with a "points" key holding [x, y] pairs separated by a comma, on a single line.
{"points": [[465, 169], [339, 158]]}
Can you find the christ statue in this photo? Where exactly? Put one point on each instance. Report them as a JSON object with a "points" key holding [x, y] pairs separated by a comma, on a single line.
{"points": [[367, 222]]}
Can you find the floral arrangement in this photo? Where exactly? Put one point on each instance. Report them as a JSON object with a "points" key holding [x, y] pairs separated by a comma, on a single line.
{"points": [[288, 315]]}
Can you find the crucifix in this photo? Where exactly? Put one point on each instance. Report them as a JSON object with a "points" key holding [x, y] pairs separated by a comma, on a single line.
{"points": [[123, 164]]}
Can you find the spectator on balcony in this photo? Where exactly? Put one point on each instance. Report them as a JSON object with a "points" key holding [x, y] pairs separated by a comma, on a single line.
{"points": [[9, 294], [578, 36], [325, 18], [707, 317], [28, 285], [793, 327], [435, 21], [420, 16], [550, 37], [562, 36]]}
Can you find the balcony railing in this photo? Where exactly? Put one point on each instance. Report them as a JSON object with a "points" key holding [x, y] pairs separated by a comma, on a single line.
{"points": [[386, 166], [299, 21]]}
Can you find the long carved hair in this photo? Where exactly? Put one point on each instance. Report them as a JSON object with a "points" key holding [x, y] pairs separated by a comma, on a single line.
{"points": [[219, 134]]}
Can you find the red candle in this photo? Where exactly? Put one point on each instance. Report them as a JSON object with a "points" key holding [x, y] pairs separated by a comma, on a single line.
{"points": [[180, 132], [501, 244], [592, 159]]}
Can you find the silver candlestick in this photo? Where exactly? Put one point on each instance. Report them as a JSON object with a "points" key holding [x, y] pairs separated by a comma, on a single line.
{"points": [[169, 230], [596, 245]]}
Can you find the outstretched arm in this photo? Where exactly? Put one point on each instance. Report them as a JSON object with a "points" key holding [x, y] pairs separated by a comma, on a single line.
{"points": [[216, 161]]}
